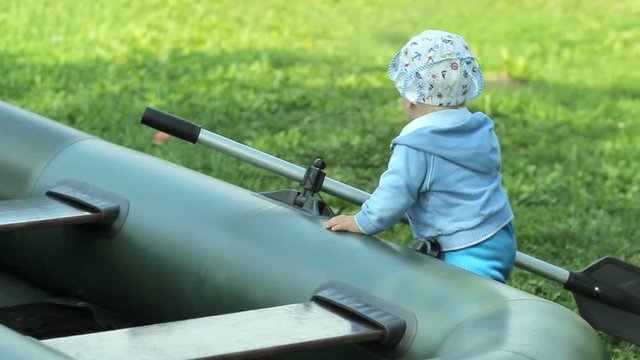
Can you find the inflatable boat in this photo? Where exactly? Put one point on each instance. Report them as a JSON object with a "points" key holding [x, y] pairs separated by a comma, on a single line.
{"points": [[109, 253]]}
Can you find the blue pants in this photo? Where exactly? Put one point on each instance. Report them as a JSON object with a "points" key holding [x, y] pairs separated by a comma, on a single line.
{"points": [[493, 258]]}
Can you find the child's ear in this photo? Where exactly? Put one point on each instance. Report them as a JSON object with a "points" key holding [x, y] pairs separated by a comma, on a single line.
{"points": [[406, 104]]}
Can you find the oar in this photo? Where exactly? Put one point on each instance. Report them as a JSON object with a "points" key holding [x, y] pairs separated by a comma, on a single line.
{"points": [[607, 292]]}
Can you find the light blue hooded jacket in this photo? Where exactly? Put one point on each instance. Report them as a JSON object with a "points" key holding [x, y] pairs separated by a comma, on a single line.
{"points": [[444, 173]]}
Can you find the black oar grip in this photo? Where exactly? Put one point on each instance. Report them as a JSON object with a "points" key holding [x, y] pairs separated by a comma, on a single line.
{"points": [[171, 124]]}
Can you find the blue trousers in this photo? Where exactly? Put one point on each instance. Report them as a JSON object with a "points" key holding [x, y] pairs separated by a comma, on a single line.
{"points": [[493, 258]]}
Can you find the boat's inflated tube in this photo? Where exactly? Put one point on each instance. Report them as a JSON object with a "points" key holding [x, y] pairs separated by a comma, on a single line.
{"points": [[193, 246]]}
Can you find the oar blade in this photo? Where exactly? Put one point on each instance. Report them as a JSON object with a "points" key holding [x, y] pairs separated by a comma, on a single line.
{"points": [[620, 321]]}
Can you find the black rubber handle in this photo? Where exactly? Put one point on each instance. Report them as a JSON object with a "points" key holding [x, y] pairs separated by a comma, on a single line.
{"points": [[171, 124]]}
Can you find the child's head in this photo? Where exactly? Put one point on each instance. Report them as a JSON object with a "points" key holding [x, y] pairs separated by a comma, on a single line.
{"points": [[436, 68]]}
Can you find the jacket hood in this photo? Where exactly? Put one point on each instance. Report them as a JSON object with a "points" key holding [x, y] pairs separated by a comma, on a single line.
{"points": [[456, 135]]}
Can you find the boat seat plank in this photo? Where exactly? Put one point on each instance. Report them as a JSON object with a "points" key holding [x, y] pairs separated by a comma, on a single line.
{"points": [[241, 335], [31, 213]]}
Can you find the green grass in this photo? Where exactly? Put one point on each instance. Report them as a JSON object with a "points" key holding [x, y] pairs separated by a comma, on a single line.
{"points": [[308, 78]]}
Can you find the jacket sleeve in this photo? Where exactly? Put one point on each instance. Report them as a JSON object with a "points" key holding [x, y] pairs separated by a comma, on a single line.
{"points": [[397, 190]]}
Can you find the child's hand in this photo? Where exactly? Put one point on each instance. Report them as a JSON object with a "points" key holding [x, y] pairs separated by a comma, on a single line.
{"points": [[343, 223]]}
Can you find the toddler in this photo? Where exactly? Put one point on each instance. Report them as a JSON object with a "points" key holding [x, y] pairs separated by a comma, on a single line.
{"points": [[445, 169]]}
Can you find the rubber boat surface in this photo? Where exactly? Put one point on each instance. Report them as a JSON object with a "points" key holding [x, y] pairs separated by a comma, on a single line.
{"points": [[188, 246]]}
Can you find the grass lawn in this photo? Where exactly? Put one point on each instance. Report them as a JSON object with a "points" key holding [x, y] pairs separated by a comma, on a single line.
{"points": [[308, 78]]}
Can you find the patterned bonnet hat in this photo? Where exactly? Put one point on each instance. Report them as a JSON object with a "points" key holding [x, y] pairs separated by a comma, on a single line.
{"points": [[436, 68]]}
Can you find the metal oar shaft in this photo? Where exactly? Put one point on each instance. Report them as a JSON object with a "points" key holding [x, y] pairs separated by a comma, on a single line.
{"points": [[542, 268], [194, 133]]}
